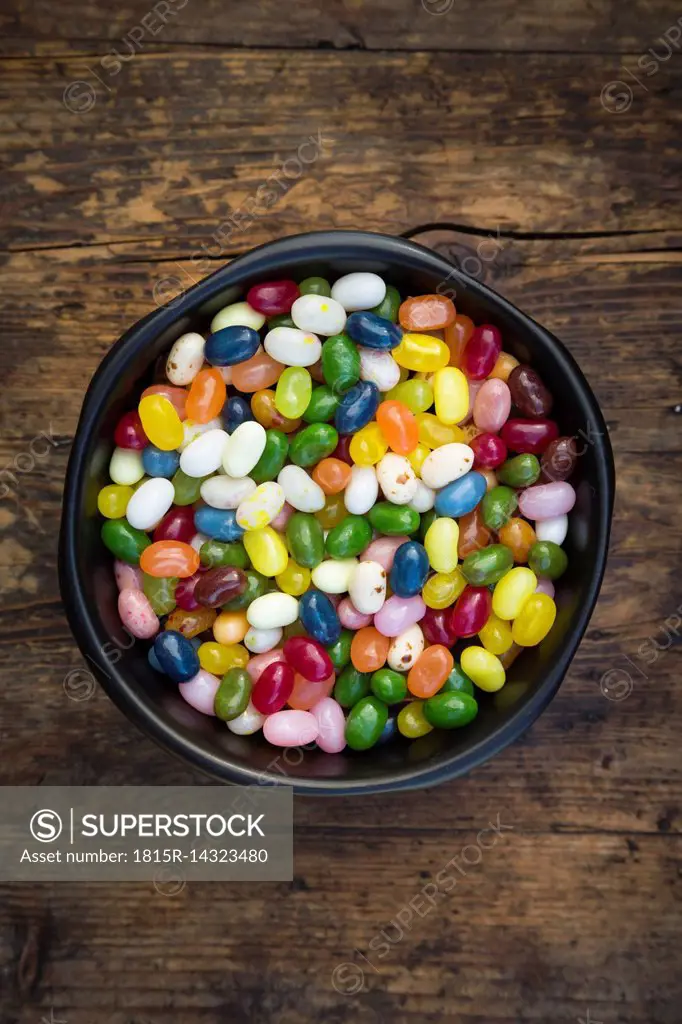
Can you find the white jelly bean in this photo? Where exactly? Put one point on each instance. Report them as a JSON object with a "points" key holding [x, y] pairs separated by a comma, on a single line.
{"points": [[126, 466], [261, 507], [319, 314], [247, 723], [191, 430], [379, 368], [397, 479], [240, 314], [226, 491], [367, 588], [359, 291], [554, 529], [423, 499], [137, 614], [447, 463], [292, 347], [150, 502], [300, 490], [334, 575], [204, 454], [258, 641], [244, 448], [272, 611], [362, 490], [198, 540], [406, 648], [185, 359]]}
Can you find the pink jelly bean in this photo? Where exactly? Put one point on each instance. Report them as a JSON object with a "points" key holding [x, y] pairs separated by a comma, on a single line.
{"points": [[474, 387], [547, 500], [283, 516], [137, 614], [545, 587], [332, 725], [290, 728], [492, 405], [306, 693], [350, 617], [382, 550], [260, 662], [398, 614], [200, 691], [128, 577]]}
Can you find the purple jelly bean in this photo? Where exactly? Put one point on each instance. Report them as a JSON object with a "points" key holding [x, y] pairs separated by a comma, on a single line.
{"points": [[546, 500], [398, 614]]}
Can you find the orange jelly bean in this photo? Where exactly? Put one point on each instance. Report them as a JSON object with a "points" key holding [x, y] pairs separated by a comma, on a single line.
{"points": [[504, 365], [176, 396], [260, 371], [191, 623], [456, 337], [519, 536], [264, 409], [316, 372], [206, 396], [167, 558], [430, 671], [369, 649], [332, 475], [427, 313], [473, 533], [399, 426], [306, 694], [230, 627]]}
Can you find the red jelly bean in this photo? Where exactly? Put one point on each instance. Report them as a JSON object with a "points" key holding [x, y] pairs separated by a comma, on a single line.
{"points": [[489, 451], [342, 450], [177, 524], [471, 612], [273, 688], [273, 297], [129, 432], [184, 592], [480, 355], [308, 658], [529, 436], [436, 627]]}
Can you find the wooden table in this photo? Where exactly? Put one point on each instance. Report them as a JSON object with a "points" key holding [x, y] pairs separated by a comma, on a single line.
{"points": [[539, 145]]}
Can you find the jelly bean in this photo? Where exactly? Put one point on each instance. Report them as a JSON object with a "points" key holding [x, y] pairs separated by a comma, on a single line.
{"points": [[292, 347], [405, 649], [367, 587], [437, 628], [458, 682], [176, 396], [529, 394], [129, 432], [149, 503], [545, 587], [488, 565], [322, 405], [219, 585], [489, 451], [112, 501], [305, 539], [160, 593], [230, 627], [389, 686], [318, 615], [306, 693], [266, 550], [258, 372], [340, 363], [216, 552], [160, 422], [192, 430], [554, 529], [126, 467], [547, 559], [240, 313], [519, 536], [558, 460], [184, 592], [392, 519], [379, 368], [243, 449], [496, 635], [471, 612], [440, 543], [447, 463], [313, 443], [339, 652], [185, 359], [290, 728], [351, 686], [521, 471], [293, 392], [235, 412], [169, 558], [273, 688], [483, 668], [365, 723], [191, 623], [249, 722], [362, 490], [410, 569], [256, 586], [498, 506], [369, 649], [451, 395], [204, 455], [357, 407], [433, 433], [359, 290], [397, 479], [124, 541], [383, 549], [504, 366], [417, 457], [511, 592], [272, 611], [331, 725], [233, 694], [309, 658], [259, 641], [318, 314], [217, 524], [450, 710], [492, 406], [481, 352], [220, 658], [206, 396], [546, 501], [315, 286], [399, 426], [461, 496], [281, 320], [534, 620], [300, 490], [343, 450], [372, 331], [261, 507], [273, 297], [416, 394], [137, 614], [423, 499], [176, 655], [332, 475], [421, 352], [389, 305], [430, 671], [231, 345], [427, 313], [443, 589], [200, 692], [158, 463], [349, 538], [334, 575], [224, 492], [295, 579], [398, 614], [532, 436], [128, 577], [411, 721], [259, 662]]}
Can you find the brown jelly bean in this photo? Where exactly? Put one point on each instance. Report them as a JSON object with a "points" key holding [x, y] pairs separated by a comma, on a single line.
{"points": [[529, 394], [218, 586], [559, 459]]}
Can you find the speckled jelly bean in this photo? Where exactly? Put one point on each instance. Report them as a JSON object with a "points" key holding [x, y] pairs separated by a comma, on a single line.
{"points": [[447, 463], [137, 614], [405, 649]]}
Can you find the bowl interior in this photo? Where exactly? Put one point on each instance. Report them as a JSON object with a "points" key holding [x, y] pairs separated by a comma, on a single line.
{"points": [[90, 592]]}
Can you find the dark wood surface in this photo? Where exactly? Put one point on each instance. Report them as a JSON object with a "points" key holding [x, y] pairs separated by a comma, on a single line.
{"points": [[492, 120]]}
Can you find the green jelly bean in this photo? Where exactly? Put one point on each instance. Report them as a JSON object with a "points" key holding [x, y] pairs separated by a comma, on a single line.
{"points": [[313, 443], [416, 394], [273, 458], [521, 471], [256, 586], [232, 696], [340, 651], [294, 388], [426, 520], [322, 405], [389, 686], [498, 506], [281, 320], [349, 538], [218, 552], [547, 559], [389, 306], [365, 723], [393, 519], [488, 565], [124, 541], [450, 710], [315, 286], [305, 538], [351, 686], [187, 488], [160, 592], [340, 363], [458, 681]]}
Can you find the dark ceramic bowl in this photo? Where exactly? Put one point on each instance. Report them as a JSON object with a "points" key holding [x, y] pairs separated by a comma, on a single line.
{"points": [[90, 594]]}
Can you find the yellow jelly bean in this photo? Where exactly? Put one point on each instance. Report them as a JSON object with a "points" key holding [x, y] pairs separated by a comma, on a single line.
{"points": [[512, 590], [534, 621], [219, 658], [293, 392], [416, 457], [504, 366], [295, 579], [433, 433], [421, 352], [441, 542], [368, 446], [267, 551], [451, 394], [416, 394], [112, 500], [412, 722], [161, 422], [230, 628], [496, 635], [443, 589], [483, 668], [470, 431]]}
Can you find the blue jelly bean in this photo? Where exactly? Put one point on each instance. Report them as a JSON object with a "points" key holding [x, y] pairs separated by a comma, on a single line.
{"points": [[461, 496], [410, 569], [231, 345], [218, 523], [237, 411], [390, 729], [319, 617], [153, 660], [158, 463], [357, 407], [176, 655], [373, 331]]}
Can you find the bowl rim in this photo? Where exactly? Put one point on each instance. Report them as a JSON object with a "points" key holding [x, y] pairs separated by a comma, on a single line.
{"points": [[125, 694]]}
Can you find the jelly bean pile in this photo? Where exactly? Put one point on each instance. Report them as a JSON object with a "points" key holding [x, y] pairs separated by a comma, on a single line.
{"points": [[323, 498]]}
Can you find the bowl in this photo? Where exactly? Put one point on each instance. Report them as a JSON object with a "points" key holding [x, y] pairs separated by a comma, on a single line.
{"points": [[90, 594]]}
